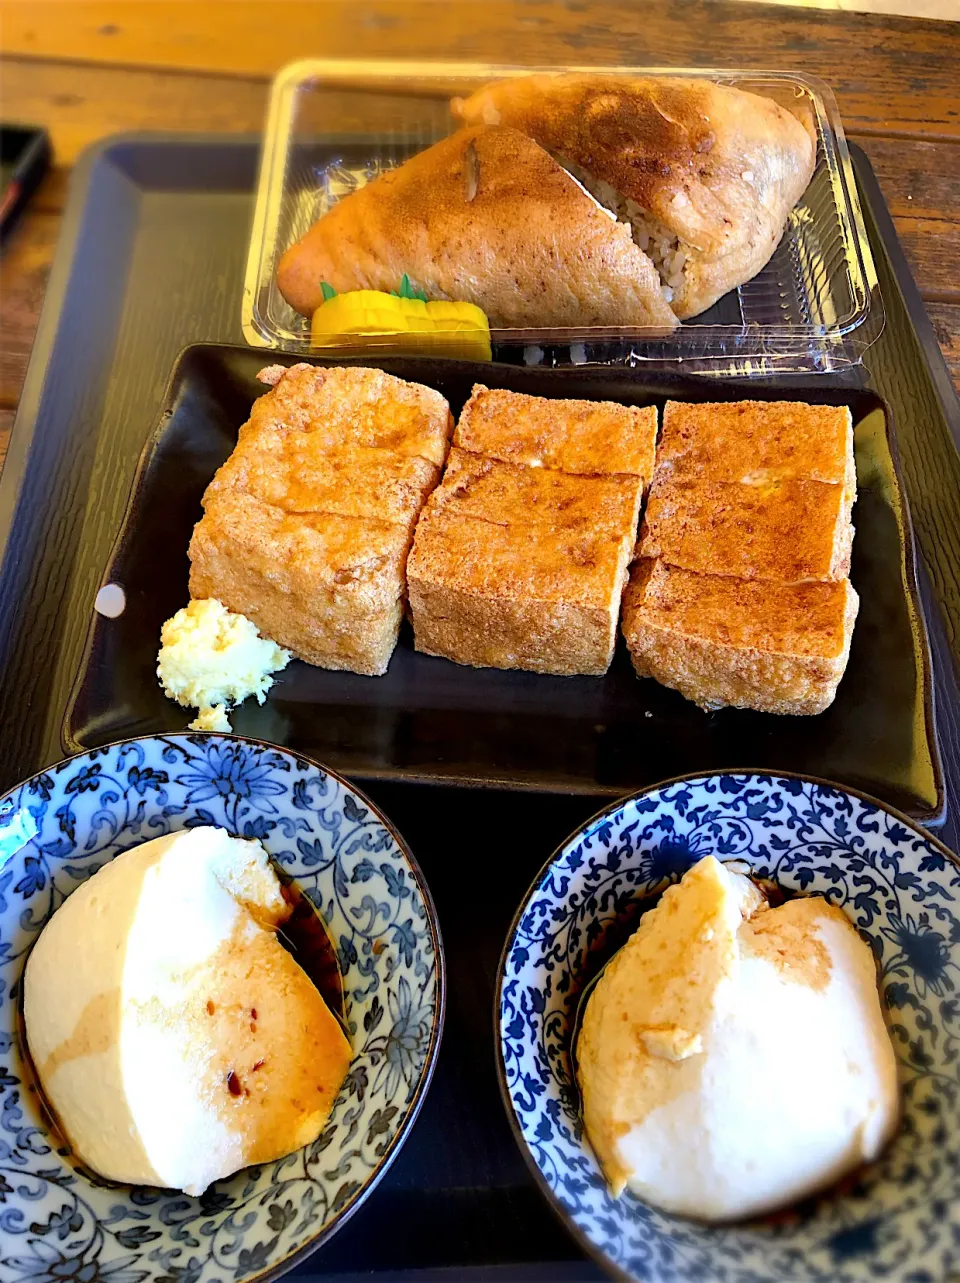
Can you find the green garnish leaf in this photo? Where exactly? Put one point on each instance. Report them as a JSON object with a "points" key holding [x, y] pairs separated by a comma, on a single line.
{"points": [[409, 290], [327, 291]]}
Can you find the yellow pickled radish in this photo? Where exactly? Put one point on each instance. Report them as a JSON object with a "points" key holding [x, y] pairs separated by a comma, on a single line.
{"points": [[406, 321]]}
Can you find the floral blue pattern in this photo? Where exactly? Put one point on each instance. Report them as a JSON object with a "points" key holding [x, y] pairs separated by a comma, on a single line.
{"points": [[898, 1219], [57, 1222]]}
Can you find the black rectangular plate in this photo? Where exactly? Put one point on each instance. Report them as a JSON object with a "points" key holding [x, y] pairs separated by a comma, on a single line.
{"points": [[430, 720]]}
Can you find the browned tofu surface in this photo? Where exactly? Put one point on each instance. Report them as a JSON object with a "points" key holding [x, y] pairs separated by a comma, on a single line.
{"points": [[510, 494], [740, 597], [787, 531], [788, 619], [756, 441], [352, 406], [521, 554], [507, 597], [482, 557], [720, 640], [348, 481], [585, 437]]}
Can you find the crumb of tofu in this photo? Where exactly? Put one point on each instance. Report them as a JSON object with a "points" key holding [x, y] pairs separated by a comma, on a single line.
{"points": [[212, 719]]}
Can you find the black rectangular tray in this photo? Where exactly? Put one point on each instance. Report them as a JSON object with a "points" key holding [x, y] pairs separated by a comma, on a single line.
{"points": [[156, 231], [428, 720]]}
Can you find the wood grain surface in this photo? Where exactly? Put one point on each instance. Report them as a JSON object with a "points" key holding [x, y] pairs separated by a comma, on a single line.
{"points": [[894, 74], [6, 423], [88, 70]]}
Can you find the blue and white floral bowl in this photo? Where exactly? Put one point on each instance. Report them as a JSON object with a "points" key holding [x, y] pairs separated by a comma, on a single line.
{"points": [[898, 1219], [57, 1225]]}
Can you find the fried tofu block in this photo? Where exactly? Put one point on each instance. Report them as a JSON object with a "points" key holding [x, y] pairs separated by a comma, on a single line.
{"points": [[327, 587], [718, 640], [350, 406], [758, 442], [521, 555], [545, 599], [590, 438], [786, 531], [307, 526], [507, 494]]}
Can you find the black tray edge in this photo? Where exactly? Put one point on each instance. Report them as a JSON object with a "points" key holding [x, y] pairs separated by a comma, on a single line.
{"points": [[912, 298], [58, 284], [21, 440]]}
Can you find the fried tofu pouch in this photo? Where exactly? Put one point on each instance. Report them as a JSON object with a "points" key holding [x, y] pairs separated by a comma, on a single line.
{"points": [[724, 641], [707, 174], [484, 216]]}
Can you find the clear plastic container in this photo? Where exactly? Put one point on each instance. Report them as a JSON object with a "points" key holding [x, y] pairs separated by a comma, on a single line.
{"points": [[334, 125]]}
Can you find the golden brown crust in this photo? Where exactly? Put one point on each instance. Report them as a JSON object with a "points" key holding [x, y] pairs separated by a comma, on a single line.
{"points": [[307, 526], [758, 442], [351, 481], [720, 168], [488, 217], [557, 637], [719, 640], [350, 405], [542, 597], [587, 437], [510, 494], [499, 561], [786, 531], [804, 619]]}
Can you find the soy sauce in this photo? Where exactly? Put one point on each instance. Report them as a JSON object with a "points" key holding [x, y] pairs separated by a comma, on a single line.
{"points": [[305, 937], [30, 1086]]}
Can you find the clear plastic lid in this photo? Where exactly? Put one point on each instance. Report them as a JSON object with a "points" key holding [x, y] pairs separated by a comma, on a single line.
{"points": [[335, 125]]}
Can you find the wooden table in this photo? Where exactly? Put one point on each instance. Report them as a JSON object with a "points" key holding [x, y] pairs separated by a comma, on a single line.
{"points": [[86, 70]]}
